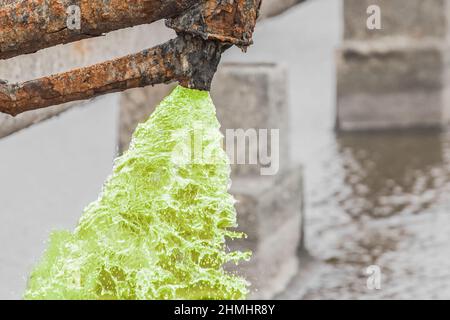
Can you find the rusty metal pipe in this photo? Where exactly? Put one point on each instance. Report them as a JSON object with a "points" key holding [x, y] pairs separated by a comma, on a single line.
{"points": [[171, 61], [27, 26]]}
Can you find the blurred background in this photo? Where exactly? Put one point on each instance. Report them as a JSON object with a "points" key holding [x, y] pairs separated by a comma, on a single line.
{"points": [[365, 154]]}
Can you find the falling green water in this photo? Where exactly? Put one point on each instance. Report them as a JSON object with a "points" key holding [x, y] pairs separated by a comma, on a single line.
{"points": [[159, 227]]}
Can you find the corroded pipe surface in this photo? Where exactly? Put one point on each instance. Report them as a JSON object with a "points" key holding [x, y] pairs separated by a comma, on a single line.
{"points": [[229, 21], [188, 59], [27, 26]]}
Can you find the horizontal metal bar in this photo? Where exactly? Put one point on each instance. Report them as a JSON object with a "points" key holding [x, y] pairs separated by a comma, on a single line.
{"points": [[27, 26], [188, 59]]}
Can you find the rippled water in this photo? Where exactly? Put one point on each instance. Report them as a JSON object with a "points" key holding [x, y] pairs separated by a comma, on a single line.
{"points": [[378, 199]]}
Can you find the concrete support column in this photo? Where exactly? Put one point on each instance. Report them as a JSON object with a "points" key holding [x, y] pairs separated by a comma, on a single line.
{"points": [[394, 77], [254, 97]]}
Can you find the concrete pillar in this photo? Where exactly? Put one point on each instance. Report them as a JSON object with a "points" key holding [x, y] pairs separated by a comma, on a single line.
{"points": [[395, 77], [269, 211], [250, 96], [254, 96]]}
